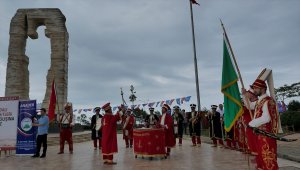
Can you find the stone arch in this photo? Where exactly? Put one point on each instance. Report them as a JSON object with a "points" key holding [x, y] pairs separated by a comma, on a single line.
{"points": [[23, 25]]}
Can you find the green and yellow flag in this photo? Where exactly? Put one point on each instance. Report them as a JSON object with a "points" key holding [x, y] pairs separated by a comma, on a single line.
{"points": [[233, 108]]}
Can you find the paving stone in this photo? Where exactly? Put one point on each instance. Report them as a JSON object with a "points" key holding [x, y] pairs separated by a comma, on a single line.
{"points": [[182, 157]]}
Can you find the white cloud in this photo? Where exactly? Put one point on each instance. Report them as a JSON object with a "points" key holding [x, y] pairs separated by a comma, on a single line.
{"points": [[148, 44]]}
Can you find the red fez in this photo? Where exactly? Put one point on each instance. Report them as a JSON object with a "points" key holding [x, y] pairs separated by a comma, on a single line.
{"points": [[166, 107], [106, 106], [259, 84]]}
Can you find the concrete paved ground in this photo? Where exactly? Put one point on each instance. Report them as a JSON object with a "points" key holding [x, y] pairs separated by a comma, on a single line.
{"points": [[290, 150], [182, 157]]}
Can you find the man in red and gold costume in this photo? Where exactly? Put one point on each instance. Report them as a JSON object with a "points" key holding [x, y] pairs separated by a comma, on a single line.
{"points": [[166, 122], [128, 128], [66, 123], [266, 119], [239, 136], [122, 109], [109, 134], [250, 137]]}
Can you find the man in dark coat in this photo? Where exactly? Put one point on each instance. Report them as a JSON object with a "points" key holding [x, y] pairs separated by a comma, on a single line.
{"points": [[215, 126], [194, 125], [151, 120], [178, 120], [95, 126]]}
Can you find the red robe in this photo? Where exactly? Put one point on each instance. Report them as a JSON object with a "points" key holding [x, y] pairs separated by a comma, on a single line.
{"points": [[250, 136], [267, 147], [109, 134], [169, 130], [129, 126]]}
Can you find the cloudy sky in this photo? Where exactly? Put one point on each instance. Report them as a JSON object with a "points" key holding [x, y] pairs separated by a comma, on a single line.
{"points": [[148, 44]]}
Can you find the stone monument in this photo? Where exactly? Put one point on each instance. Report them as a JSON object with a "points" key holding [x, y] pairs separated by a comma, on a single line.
{"points": [[24, 24]]}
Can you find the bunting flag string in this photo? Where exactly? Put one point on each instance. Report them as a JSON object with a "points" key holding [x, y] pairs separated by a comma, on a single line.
{"points": [[179, 101], [151, 104], [157, 103]]}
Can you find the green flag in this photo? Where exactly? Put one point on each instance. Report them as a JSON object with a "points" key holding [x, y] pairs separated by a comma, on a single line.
{"points": [[232, 99]]}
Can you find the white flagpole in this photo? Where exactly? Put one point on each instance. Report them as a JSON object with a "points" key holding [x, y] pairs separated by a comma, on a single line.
{"points": [[195, 58]]}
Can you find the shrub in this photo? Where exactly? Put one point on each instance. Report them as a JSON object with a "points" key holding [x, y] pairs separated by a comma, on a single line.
{"points": [[291, 118], [294, 105]]}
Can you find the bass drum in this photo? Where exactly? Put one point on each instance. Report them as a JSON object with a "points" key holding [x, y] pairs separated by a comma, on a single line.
{"points": [[98, 124]]}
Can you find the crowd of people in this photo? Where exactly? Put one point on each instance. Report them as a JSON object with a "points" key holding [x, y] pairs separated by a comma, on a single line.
{"points": [[261, 113]]}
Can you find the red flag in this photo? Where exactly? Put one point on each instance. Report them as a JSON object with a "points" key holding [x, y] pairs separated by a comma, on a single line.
{"points": [[52, 104], [194, 2]]}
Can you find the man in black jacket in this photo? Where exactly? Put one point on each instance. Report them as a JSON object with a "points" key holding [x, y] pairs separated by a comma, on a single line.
{"points": [[95, 126]]}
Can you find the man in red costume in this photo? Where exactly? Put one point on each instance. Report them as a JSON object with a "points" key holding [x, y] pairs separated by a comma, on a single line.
{"points": [[166, 122], [128, 128], [251, 138], [66, 123], [109, 134], [265, 118], [122, 109]]}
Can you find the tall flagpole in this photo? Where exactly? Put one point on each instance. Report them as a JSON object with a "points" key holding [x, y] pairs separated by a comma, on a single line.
{"points": [[195, 58], [241, 80]]}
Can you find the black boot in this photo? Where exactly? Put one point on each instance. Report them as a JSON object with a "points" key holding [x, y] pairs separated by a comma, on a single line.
{"points": [[35, 156], [43, 155]]}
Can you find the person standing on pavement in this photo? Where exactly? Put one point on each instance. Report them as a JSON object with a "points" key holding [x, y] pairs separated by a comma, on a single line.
{"points": [[109, 134], [178, 124], [152, 119], [195, 125], [265, 118], [122, 109], [250, 138], [215, 126], [95, 126], [66, 124], [166, 122], [185, 124], [128, 128], [43, 124]]}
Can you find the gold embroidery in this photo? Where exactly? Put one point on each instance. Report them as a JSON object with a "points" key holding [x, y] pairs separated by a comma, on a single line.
{"points": [[268, 155], [273, 126]]}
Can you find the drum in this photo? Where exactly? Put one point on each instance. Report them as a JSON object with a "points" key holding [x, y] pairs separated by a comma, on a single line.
{"points": [[98, 124]]}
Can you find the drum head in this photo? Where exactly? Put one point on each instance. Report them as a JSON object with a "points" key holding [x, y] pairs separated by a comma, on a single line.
{"points": [[98, 124]]}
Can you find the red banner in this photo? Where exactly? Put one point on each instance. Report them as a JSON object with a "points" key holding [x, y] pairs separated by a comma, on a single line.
{"points": [[52, 104]]}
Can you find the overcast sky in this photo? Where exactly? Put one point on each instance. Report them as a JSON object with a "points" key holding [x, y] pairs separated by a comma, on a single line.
{"points": [[148, 44]]}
